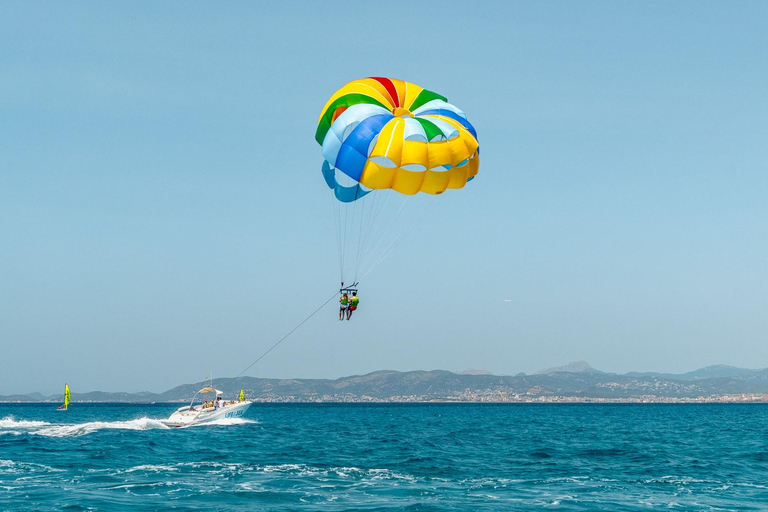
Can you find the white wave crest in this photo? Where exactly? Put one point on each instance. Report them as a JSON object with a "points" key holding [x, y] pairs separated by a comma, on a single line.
{"points": [[10, 467], [278, 470], [343, 472], [148, 468], [81, 429], [11, 423]]}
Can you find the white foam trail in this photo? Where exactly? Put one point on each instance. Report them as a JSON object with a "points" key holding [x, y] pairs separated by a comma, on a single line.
{"points": [[11, 423], [11, 426], [81, 429]]}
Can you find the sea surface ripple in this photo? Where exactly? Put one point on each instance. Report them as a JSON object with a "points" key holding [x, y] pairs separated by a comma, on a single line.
{"points": [[387, 457]]}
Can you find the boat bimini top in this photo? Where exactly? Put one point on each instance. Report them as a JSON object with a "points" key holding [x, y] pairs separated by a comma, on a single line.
{"points": [[205, 390], [210, 390]]}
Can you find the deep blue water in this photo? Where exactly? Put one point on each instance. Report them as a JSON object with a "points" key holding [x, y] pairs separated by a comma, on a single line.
{"points": [[387, 457]]}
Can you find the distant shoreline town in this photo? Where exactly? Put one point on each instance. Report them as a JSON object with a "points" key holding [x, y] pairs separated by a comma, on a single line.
{"points": [[482, 398], [576, 383]]}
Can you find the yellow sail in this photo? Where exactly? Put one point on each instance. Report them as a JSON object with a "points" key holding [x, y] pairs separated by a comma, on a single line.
{"points": [[67, 396], [241, 398]]}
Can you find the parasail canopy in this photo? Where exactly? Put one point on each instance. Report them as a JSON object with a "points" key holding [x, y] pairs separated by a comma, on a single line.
{"points": [[381, 137], [383, 133]]}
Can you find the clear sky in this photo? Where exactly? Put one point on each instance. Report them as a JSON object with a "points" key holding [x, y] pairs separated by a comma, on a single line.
{"points": [[163, 215]]}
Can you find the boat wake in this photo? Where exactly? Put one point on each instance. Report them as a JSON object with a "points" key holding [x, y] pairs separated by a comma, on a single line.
{"points": [[10, 422], [10, 425]]}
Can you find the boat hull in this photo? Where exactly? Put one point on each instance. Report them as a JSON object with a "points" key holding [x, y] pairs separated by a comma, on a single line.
{"points": [[186, 416]]}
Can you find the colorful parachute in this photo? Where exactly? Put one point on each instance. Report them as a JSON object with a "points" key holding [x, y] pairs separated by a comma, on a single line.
{"points": [[389, 137], [384, 133]]}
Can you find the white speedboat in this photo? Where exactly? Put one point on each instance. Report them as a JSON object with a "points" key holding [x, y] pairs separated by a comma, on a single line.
{"points": [[208, 410]]}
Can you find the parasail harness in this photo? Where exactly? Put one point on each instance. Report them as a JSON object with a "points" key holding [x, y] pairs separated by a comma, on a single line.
{"points": [[348, 289]]}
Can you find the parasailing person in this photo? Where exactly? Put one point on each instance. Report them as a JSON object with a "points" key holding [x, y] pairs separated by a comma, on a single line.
{"points": [[384, 137]]}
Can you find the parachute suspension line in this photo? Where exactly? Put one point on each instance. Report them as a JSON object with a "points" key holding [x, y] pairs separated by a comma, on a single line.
{"points": [[364, 202], [378, 242], [289, 333], [344, 239], [351, 233], [374, 231], [373, 211], [345, 220], [339, 234], [374, 243], [337, 226], [367, 244], [415, 220]]}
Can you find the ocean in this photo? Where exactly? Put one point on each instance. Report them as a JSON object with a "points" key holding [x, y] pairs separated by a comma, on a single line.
{"points": [[387, 457]]}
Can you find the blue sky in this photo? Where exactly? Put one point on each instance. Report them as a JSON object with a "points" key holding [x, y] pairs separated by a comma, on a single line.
{"points": [[162, 212]]}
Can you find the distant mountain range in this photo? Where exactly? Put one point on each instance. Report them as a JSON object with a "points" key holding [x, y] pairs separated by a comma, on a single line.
{"points": [[575, 380]]}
